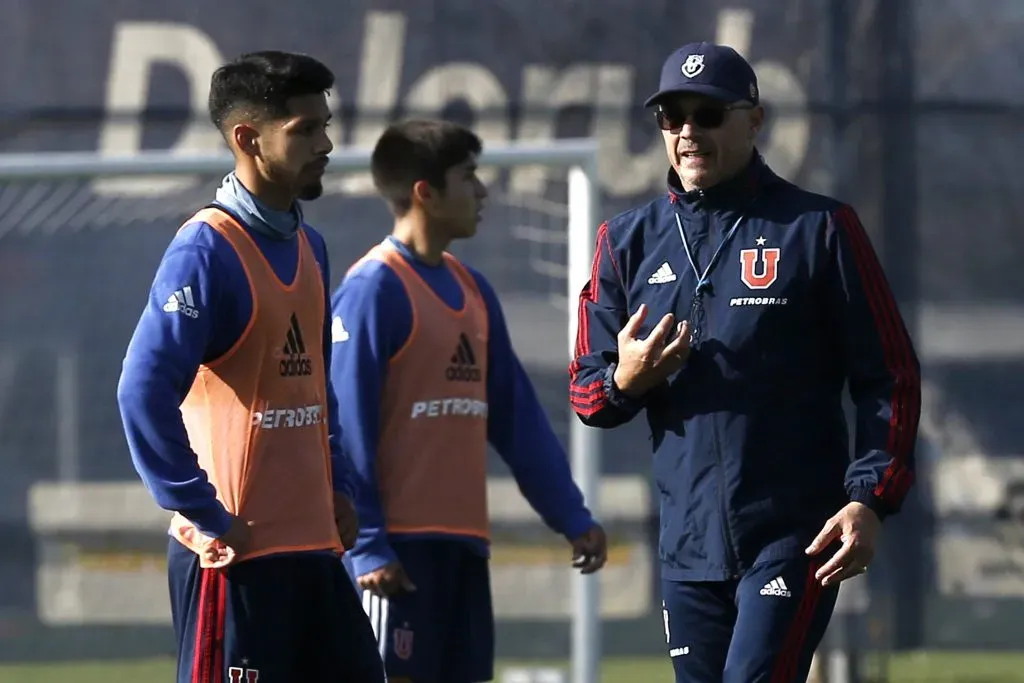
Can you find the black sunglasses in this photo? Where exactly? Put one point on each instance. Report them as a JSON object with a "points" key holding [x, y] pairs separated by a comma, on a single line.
{"points": [[707, 116]]}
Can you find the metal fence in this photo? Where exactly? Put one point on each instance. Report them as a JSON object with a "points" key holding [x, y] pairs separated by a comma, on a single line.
{"points": [[912, 110]]}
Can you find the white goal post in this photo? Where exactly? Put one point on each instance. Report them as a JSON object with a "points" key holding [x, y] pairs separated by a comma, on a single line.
{"points": [[579, 159]]}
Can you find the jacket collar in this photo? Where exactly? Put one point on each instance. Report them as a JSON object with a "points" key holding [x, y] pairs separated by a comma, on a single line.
{"points": [[734, 193]]}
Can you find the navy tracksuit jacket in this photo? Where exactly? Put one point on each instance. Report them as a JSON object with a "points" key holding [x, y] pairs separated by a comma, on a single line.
{"points": [[751, 447]]}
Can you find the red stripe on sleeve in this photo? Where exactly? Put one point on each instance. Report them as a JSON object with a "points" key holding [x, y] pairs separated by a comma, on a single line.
{"points": [[589, 398], [905, 401]]}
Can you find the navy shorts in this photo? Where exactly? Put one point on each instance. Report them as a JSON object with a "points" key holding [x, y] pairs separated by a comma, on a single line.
{"points": [[277, 619], [444, 631], [763, 627]]}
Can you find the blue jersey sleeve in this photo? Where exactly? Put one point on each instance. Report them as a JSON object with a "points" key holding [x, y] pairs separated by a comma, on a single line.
{"points": [[171, 340], [520, 431], [341, 466], [372, 319]]}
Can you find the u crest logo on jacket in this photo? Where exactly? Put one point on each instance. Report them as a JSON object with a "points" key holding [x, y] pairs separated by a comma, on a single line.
{"points": [[760, 267]]}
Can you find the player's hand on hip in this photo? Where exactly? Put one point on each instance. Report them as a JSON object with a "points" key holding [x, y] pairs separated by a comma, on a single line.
{"points": [[857, 527], [222, 550], [346, 519], [645, 363], [590, 551], [387, 581]]}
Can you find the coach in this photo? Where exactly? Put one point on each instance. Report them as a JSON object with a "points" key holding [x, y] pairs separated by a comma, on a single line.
{"points": [[734, 309]]}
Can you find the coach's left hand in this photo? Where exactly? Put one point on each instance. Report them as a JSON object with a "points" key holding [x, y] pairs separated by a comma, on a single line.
{"points": [[346, 519], [590, 551], [857, 526]]}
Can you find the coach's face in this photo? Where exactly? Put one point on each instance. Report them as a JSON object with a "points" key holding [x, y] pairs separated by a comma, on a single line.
{"points": [[707, 141]]}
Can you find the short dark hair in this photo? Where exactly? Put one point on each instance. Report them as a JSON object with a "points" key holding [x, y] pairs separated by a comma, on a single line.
{"points": [[258, 85], [414, 150]]}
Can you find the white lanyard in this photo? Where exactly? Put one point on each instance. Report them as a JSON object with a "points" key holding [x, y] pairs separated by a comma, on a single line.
{"points": [[702, 279], [703, 284]]}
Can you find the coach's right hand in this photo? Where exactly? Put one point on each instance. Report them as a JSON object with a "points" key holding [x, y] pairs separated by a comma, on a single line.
{"points": [[387, 581], [645, 363]]}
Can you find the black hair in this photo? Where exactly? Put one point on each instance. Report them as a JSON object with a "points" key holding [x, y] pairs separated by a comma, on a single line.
{"points": [[258, 85], [414, 150]]}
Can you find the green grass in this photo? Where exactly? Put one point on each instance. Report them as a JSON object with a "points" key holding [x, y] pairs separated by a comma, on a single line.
{"points": [[957, 667], [648, 670], [924, 667]]}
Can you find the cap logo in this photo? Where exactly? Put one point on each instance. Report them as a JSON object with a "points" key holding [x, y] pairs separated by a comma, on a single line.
{"points": [[693, 65]]}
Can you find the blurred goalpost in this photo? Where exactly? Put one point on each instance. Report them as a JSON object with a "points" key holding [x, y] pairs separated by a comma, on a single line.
{"points": [[48, 191]]}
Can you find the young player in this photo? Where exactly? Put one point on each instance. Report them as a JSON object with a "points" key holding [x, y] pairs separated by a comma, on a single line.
{"points": [[733, 309], [225, 405], [425, 376]]}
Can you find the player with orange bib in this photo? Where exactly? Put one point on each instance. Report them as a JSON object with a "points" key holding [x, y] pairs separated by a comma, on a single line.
{"points": [[224, 400], [426, 379]]}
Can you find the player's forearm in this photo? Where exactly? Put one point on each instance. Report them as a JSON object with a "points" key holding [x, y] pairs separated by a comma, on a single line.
{"points": [[341, 474], [354, 404], [341, 465], [363, 490], [546, 483], [160, 452], [521, 432], [357, 374], [372, 550], [359, 448], [371, 320]]}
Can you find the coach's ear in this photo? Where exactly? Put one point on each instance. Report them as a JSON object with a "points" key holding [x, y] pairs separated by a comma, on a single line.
{"points": [[756, 119]]}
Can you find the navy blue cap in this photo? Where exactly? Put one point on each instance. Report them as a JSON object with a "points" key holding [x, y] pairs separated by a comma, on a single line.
{"points": [[717, 71]]}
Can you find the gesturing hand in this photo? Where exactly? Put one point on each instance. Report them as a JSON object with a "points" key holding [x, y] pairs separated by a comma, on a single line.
{"points": [[645, 363]]}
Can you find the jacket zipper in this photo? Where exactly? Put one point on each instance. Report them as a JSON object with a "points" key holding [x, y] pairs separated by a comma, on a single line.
{"points": [[730, 553]]}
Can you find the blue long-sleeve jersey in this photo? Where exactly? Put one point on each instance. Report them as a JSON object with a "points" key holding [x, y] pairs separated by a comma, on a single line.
{"points": [[787, 303], [373, 316], [168, 347]]}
